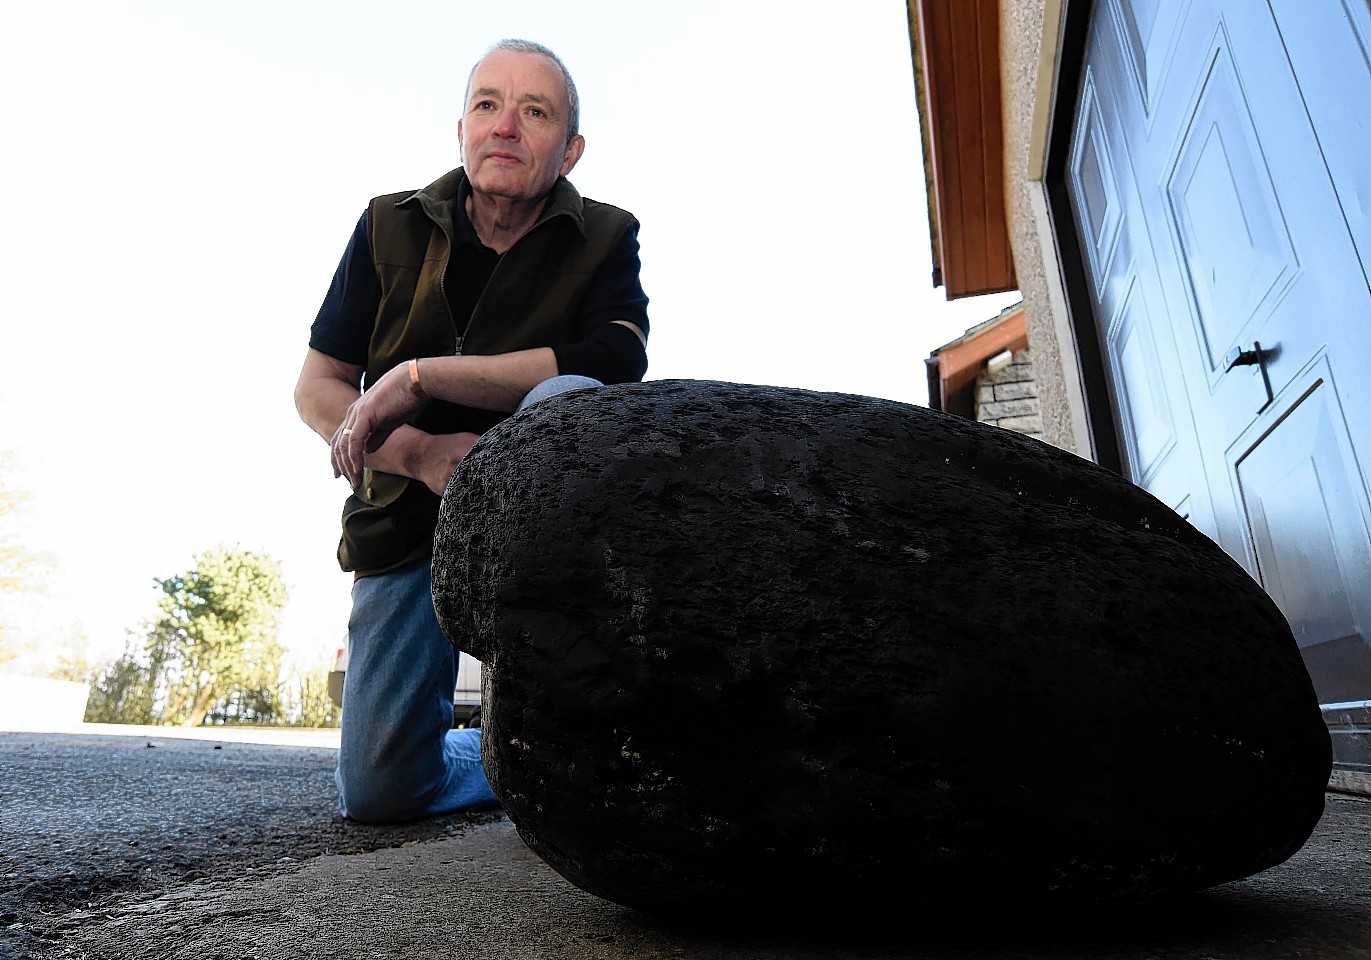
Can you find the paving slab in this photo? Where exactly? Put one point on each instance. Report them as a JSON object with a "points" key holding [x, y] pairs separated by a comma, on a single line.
{"points": [[484, 894]]}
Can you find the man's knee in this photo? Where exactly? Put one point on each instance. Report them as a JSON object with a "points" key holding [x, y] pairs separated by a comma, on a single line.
{"points": [[371, 796], [558, 384], [387, 776]]}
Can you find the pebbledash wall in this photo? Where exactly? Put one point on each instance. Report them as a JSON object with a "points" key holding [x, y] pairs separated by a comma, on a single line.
{"points": [[1009, 397], [1023, 89]]}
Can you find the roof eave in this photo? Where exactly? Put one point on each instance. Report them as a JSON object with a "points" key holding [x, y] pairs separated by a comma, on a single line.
{"points": [[956, 56]]}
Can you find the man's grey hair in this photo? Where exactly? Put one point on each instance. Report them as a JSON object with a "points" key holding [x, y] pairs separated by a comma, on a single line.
{"points": [[573, 124]]}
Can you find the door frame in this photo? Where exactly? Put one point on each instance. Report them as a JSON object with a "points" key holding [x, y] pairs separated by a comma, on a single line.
{"points": [[1102, 407]]}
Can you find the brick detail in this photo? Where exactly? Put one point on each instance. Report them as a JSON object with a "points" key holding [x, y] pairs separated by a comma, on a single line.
{"points": [[987, 412], [1022, 390], [1033, 424], [1009, 399]]}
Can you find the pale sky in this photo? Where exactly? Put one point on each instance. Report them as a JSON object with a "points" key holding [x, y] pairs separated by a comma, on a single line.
{"points": [[181, 177]]}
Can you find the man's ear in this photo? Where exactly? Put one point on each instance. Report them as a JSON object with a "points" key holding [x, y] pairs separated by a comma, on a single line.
{"points": [[574, 149], [461, 143]]}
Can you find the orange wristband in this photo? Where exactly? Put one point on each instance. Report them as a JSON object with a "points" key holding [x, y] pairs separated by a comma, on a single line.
{"points": [[414, 378]]}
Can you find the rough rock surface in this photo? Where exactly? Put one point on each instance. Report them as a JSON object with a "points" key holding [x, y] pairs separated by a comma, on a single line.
{"points": [[767, 650]]}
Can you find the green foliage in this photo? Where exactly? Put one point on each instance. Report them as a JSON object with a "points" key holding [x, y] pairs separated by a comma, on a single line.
{"points": [[122, 692], [212, 655], [213, 652], [316, 706], [312, 705]]}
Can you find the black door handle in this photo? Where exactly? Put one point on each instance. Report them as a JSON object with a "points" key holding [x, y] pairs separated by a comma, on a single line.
{"points": [[1238, 357]]}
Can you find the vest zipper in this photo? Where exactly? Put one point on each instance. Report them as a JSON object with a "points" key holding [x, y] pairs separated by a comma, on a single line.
{"points": [[481, 299], [498, 264]]}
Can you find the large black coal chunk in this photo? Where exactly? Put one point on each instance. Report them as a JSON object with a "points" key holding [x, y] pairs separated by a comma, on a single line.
{"points": [[764, 650]]}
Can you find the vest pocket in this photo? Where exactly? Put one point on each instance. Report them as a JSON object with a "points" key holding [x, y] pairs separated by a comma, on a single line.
{"points": [[387, 524]]}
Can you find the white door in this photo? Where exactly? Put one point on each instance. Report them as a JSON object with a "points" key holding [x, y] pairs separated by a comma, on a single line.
{"points": [[1219, 177]]}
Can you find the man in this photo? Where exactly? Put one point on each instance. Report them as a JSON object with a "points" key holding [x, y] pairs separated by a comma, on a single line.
{"points": [[451, 304]]}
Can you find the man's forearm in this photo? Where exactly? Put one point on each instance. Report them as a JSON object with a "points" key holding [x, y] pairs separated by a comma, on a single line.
{"points": [[486, 382]]}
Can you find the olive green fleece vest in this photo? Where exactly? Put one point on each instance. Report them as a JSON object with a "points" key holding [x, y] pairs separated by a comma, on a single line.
{"points": [[530, 301]]}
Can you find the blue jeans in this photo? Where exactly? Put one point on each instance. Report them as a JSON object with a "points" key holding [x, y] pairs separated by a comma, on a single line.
{"points": [[399, 758], [555, 385]]}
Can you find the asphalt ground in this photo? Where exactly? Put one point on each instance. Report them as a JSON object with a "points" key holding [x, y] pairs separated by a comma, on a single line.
{"points": [[299, 882], [95, 815]]}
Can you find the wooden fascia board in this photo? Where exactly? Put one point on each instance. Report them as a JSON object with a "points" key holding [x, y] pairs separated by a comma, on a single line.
{"points": [[956, 48]]}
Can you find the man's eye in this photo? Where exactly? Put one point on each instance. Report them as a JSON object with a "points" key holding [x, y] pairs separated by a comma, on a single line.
{"points": [[536, 112]]}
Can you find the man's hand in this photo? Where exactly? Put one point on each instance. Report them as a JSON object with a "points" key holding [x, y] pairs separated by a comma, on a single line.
{"points": [[441, 454], [496, 382], [370, 420]]}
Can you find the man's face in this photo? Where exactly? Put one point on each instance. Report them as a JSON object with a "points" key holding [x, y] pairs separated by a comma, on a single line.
{"points": [[513, 134]]}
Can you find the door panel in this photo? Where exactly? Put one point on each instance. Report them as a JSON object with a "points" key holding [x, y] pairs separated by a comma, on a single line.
{"points": [[1151, 402], [1234, 243], [1148, 29], [1273, 262], [1092, 170], [1146, 414], [1331, 57], [1307, 512]]}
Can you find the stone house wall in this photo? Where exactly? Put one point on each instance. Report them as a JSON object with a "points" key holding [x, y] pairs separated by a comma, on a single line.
{"points": [[1009, 398]]}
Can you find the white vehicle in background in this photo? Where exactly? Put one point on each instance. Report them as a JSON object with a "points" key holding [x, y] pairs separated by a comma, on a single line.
{"points": [[466, 706], [466, 699]]}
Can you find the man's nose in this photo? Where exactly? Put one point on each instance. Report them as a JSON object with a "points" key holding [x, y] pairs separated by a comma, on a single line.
{"points": [[507, 124]]}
